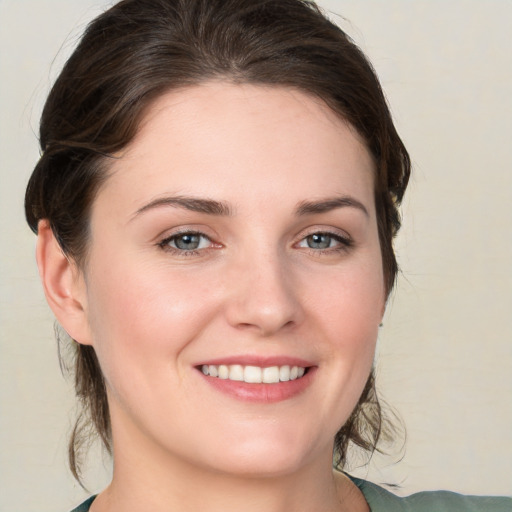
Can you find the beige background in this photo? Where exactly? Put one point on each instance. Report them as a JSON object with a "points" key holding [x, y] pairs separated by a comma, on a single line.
{"points": [[445, 352]]}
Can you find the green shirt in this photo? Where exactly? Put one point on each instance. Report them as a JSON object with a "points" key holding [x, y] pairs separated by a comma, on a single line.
{"points": [[381, 500]]}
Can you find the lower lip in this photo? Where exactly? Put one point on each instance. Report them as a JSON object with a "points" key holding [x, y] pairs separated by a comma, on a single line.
{"points": [[262, 393]]}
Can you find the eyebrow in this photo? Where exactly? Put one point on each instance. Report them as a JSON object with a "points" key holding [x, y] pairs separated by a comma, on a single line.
{"points": [[194, 204], [213, 207], [326, 205]]}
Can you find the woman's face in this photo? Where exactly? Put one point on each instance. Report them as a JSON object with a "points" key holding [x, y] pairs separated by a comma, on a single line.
{"points": [[236, 236]]}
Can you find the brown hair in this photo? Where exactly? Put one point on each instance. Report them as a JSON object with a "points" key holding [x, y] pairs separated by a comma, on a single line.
{"points": [[139, 49]]}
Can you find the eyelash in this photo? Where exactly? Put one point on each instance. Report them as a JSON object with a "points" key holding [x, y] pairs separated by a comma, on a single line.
{"points": [[164, 244], [344, 243]]}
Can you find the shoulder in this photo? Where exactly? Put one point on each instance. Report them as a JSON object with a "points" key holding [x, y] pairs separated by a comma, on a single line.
{"points": [[381, 500], [84, 507]]}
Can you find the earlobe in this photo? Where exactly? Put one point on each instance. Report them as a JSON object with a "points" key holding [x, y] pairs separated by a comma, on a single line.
{"points": [[63, 284]]}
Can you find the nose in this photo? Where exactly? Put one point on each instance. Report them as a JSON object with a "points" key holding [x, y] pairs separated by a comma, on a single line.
{"points": [[263, 296]]}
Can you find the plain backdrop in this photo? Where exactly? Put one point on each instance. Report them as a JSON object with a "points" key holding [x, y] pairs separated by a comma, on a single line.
{"points": [[445, 351]]}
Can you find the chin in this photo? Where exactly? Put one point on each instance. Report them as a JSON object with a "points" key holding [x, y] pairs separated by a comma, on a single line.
{"points": [[266, 456], [261, 465]]}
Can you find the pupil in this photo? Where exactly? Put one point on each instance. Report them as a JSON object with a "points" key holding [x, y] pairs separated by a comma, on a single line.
{"points": [[187, 242], [319, 241]]}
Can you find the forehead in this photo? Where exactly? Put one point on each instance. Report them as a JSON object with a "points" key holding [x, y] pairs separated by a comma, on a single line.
{"points": [[227, 140], [215, 106]]}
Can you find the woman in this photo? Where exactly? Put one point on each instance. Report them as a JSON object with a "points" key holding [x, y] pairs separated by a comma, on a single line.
{"points": [[215, 207]]}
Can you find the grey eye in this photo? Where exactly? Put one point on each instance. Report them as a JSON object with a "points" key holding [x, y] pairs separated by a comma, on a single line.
{"points": [[188, 241], [319, 241]]}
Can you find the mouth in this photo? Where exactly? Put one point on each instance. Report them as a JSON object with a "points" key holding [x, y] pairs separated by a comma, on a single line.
{"points": [[259, 379], [254, 374]]}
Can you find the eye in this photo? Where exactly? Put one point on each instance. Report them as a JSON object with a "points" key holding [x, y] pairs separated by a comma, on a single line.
{"points": [[325, 241], [188, 241]]}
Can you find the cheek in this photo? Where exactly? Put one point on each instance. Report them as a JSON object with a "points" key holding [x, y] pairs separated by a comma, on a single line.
{"points": [[352, 304], [348, 316], [141, 317]]}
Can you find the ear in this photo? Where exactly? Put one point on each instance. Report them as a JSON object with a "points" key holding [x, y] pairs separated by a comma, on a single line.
{"points": [[63, 284]]}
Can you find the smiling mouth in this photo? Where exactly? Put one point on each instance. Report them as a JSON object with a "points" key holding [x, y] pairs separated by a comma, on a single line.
{"points": [[254, 374]]}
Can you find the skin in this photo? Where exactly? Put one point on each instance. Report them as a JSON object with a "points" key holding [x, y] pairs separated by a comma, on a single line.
{"points": [[254, 287]]}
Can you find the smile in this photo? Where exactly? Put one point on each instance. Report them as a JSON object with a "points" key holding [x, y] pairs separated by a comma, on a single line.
{"points": [[254, 374]]}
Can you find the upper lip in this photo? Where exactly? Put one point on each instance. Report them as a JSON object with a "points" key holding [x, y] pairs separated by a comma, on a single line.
{"points": [[261, 361]]}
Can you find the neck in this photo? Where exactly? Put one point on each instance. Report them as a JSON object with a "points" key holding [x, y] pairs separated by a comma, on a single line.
{"points": [[138, 486], [147, 477], [190, 489]]}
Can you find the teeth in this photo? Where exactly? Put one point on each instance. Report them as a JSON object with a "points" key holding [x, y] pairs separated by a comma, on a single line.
{"points": [[223, 371], [284, 373], [270, 375], [254, 374], [236, 372]]}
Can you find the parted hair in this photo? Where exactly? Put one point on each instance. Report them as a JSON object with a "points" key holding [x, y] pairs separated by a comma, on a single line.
{"points": [[140, 49]]}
